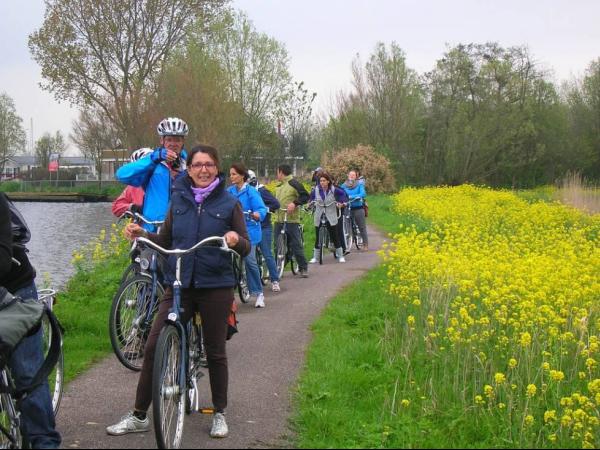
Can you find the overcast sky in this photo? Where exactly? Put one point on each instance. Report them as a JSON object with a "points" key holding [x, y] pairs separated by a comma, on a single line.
{"points": [[323, 37]]}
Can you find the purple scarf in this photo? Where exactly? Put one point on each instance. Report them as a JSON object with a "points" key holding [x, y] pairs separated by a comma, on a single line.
{"points": [[323, 193], [200, 194]]}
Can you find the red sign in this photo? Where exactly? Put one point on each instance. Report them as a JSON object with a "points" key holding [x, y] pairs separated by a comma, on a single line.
{"points": [[53, 166]]}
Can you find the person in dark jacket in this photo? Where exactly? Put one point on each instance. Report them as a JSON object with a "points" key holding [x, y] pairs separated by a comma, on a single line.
{"points": [[18, 278], [200, 207], [266, 245]]}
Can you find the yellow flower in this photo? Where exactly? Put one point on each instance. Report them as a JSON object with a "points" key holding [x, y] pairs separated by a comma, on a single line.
{"points": [[525, 339], [566, 421], [529, 420], [405, 403], [488, 391], [512, 363], [557, 375], [411, 321], [531, 390], [546, 366], [550, 416], [479, 400], [500, 378]]}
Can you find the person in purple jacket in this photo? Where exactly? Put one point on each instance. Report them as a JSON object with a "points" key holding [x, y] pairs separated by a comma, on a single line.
{"points": [[327, 199]]}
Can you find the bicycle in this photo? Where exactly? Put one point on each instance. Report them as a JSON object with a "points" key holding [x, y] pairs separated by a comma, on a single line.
{"points": [[56, 377], [352, 234], [177, 360], [135, 305], [11, 436], [263, 268], [323, 241], [282, 252]]}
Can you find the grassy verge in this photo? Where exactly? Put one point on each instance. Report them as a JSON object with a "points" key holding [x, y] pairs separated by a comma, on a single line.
{"points": [[84, 306]]}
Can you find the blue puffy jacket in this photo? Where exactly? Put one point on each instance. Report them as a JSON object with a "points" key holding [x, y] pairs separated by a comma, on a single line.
{"points": [[251, 201], [155, 179], [357, 191]]}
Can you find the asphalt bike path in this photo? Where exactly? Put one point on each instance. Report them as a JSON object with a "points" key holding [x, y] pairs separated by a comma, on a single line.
{"points": [[265, 359]]}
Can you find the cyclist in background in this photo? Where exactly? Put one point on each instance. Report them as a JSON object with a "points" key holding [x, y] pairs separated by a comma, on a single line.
{"points": [[201, 207], [252, 204], [266, 244], [38, 422], [132, 198], [327, 199], [155, 175], [291, 194], [356, 190]]}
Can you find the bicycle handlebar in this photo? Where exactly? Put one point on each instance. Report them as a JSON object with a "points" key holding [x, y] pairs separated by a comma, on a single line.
{"points": [[180, 252], [17, 262], [139, 217]]}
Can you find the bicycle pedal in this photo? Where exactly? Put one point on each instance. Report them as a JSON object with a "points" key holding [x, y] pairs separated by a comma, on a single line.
{"points": [[207, 411]]}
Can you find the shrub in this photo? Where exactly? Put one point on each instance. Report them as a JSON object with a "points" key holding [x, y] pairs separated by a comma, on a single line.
{"points": [[375, 167]]}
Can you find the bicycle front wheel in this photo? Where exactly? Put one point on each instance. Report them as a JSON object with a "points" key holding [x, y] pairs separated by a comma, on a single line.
{"points": [[347, 227], [281, 254], [10, 433], [130, 319], [168, 391], [56, 377], [243, 289], [323, 242]]}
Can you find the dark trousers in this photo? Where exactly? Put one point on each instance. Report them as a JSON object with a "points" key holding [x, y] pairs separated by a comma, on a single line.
{"points": [[214, 306], [333, 234], [294, 242]]}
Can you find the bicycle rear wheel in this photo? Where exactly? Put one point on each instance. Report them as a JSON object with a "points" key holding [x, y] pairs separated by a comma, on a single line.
{"points": [[358, 239], [281, 254], [243, 289], [347, 227], [128, 324], [168, 400], [56, 377], [263, 269]]}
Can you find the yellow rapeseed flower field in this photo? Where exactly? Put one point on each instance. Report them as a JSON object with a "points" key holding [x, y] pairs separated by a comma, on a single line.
{"points": [[501, 297]]}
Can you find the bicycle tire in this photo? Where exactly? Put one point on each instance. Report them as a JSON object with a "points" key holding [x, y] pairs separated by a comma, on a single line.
{"points": [[263, 269], [10, 430], [281, 254], [347, 227], [195, 365], [56, 377], [168, 402], [131, 271], [127, 334], [243, 289], [358, 239], [322, 242]]}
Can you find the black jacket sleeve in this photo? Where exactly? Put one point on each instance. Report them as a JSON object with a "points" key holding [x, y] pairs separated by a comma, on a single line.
{"points": [[271, 202], [5, 238], [302, 194]]}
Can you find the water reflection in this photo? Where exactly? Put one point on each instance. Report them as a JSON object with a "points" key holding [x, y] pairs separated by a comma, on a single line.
{"points": [[57, 229]]}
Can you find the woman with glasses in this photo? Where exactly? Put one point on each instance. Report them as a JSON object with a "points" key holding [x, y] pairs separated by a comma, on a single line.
{"points": [[200, 207]]}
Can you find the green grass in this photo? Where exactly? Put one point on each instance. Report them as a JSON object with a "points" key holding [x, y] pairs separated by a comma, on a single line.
{"points": [[112, 190], [83, 310]]}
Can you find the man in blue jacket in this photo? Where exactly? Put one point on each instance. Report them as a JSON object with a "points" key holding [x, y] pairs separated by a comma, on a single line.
{"points": [[266, 245], [155, 173]]}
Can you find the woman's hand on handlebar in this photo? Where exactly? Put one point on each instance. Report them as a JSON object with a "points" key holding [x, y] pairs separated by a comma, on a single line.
{"points": [[133, 230], [232, 238]]}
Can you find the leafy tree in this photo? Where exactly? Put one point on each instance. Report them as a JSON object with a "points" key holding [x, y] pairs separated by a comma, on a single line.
{"points": [[295, 113], [12, 135], [47, 145], [94, 133], [108, 54]]}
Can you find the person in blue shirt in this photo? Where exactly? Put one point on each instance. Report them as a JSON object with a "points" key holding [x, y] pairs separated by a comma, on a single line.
{"points": [[255, 212], [357, 192], [156, 172], [266, 244]]}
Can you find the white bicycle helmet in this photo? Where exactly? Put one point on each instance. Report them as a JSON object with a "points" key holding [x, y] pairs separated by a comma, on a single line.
{"points": [[251, 177], [172, 126], [140, 153]]}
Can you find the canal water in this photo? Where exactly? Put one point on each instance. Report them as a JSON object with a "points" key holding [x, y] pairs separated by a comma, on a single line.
{"points": [[57, 230]]}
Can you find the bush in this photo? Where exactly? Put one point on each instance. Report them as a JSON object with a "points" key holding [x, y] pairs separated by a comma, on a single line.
{"points": [[375, 167], [10, 186]]}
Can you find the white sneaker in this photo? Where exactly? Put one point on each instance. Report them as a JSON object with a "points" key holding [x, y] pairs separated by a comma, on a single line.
{"points": [[260, 301], [129, 424], [341, 259], [275, 286], [315, 257], [339, 254], [219, 427]]}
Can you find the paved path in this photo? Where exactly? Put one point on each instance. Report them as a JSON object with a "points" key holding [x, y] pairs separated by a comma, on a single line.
{"points": [[265, 359]]}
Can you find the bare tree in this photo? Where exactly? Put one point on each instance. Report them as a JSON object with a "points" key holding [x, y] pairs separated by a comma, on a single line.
{"points": [[93, 133], [47, 145], [108, 53], [12, 135]]}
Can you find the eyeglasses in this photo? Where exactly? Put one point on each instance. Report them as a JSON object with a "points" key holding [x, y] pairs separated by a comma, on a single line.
{"points": [[207, 166]]}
